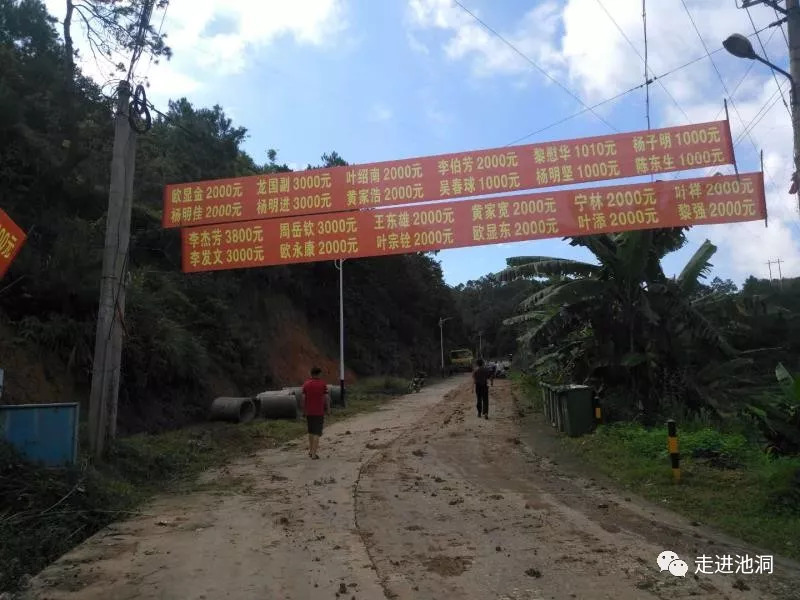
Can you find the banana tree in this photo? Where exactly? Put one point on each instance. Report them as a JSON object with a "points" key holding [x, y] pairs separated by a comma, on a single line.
{"points": [[643, 324]]}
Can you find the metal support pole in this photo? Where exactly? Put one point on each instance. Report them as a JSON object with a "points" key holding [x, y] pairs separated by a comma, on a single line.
{"points": [[441, 342], [339, 263]]}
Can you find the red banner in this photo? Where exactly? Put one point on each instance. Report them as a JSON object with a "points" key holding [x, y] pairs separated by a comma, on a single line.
{"points": [[401, 230], [460, 175], [11, 240]]}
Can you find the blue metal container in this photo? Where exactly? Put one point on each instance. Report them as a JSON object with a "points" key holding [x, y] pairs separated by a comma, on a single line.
{"points": [[44, 433]]}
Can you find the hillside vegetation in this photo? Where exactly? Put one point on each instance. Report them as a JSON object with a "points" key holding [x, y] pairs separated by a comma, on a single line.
{"points": [[188, 337]]}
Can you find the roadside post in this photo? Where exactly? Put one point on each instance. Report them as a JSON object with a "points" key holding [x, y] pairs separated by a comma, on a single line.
{"points": [[672, 448]]}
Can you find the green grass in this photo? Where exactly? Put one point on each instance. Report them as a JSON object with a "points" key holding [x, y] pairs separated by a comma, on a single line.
{"points": [[386, 384], [44, 512], [757, 501]]}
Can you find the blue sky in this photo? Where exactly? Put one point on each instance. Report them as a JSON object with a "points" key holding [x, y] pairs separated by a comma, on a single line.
{"points": [[389, 79]]}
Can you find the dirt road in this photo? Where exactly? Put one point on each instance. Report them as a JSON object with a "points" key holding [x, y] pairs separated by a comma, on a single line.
{"points": [[419, 500]]}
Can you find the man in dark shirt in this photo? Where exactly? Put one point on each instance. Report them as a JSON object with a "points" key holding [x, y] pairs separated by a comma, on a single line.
{"points": [[481, 376], [316, 404]]}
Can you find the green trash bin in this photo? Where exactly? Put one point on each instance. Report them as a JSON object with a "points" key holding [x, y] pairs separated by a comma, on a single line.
{"points": [[546, 400], [556, 410], [578, 410], [551, 412]]}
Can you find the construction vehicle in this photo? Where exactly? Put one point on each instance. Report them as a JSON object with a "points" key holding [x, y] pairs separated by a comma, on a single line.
{"points": [[460, 360]]}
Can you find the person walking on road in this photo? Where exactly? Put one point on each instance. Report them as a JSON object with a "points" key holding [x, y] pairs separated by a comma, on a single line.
{"points": [[316, 404], [481, 376]]}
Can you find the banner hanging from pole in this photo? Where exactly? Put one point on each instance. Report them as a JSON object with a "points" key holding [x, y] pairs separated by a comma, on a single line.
{"points": [[11, 240], [404, 229], [449, 176]]}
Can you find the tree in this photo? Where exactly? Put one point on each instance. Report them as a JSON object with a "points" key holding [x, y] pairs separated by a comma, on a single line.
{"points": [[188, 337], [118, 32], [622, 320], [114, 27]]}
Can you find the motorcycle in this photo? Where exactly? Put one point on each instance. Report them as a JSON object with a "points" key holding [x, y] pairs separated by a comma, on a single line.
{"points": [[417, 382]]}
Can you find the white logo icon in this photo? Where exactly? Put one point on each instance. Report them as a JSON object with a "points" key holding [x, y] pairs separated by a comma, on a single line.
{"points": [[669, 561], [666, 557], [678, 568]]}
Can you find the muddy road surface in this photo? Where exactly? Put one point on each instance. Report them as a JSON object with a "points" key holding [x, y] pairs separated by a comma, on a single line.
{"points": [[419, 500]]}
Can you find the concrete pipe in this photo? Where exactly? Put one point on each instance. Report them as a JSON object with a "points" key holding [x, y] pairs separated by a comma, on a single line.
{"points": [[277, 405], [336, 394], [297, 392], [236, 410]]}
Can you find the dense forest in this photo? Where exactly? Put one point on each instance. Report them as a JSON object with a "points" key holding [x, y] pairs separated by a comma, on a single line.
{"points": [[187, 337]]}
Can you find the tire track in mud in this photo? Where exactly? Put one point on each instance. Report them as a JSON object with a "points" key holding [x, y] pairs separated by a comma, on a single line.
{"points": [[461, 508], [371, 464]]}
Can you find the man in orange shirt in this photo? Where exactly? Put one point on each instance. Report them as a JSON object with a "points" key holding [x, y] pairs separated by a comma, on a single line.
{"points": [[316, 404]]}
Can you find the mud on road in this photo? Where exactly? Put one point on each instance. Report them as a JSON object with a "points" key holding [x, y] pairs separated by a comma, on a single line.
{"points": [[421, 500]]}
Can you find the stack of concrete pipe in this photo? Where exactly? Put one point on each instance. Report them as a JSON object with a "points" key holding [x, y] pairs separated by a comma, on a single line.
{"points": [[235, 410], [334, 390], [278, 405], [275, 404]]}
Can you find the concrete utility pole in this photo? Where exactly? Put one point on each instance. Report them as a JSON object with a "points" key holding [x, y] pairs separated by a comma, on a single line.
{"points": [[108, 338], [769, 266], [780, 275], [743, 49], [793, 27]]}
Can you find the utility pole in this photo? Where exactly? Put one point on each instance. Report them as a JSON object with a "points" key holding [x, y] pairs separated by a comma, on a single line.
{"points": [[442, 321], [791, 14], [108, 337], [769, 266], [780, 275], [793, 27], [339, 264]]}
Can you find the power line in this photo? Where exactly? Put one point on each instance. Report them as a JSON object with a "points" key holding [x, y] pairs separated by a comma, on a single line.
{"points": [[160, 27], [749, 66], [648, 71], [780, 26], [759, 116], [766, 56], [535, 64], [622, 94], [719, 75]]}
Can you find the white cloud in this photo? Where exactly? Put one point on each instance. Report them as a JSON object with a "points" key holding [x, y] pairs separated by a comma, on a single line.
{"points": [[416, 45], [212, 38], [578, 44], [380, 113], [488, 54]]}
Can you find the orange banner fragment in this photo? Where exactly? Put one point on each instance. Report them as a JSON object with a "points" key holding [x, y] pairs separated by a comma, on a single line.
{"points": [[403, 229], [11, 240], [460, 175]]}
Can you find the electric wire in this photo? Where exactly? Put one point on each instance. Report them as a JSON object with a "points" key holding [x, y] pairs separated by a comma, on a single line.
{"points": [[759, 116], [780, 26], [719, 75], [160, 28], [747, 71], [535, 64], [621, 94], [766, 57], [648, 70]]}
